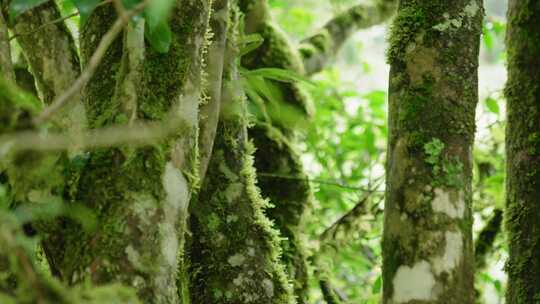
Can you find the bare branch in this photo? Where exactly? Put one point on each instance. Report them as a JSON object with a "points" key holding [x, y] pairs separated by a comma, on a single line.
{"points": [[93, 63], [348, 218], [209, 111], [486, 238], [320, 48], [137, 134], [312, 180]]}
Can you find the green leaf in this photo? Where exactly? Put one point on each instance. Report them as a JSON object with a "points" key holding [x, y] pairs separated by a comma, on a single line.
{"points": [[159, 36], [276, 74], [492, 105], [250, 43], [17, 7], [85, 8], [157, 11], [158, 32], [377, 285]]}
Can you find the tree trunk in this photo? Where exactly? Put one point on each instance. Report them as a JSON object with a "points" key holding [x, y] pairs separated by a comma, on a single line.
{"points": [[234, 251], [140, 195], [427, 242], [523, 152]]}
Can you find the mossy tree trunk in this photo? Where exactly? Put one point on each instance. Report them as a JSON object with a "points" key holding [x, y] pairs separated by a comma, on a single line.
{"points": [[140, 195], [427, 242], [234, 249], [523, 152]]}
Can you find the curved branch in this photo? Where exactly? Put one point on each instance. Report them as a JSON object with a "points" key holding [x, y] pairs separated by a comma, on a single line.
{"points": [[320, 48], [486, 238]]}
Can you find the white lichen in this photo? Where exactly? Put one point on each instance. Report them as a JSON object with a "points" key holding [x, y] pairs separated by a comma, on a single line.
{"points": [[452, 253], [469, 12], [414, 283], [443, 203], [236, 260], [268, 287]]}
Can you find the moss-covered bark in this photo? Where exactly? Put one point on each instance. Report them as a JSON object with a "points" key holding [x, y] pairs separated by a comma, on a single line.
{"points": [[140, 195], [427, 242], [523, 152], [234, 251], [289, 200], [52, 58], [274, 153]]}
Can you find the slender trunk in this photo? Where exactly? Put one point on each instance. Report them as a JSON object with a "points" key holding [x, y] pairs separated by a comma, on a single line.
{"points": [[523, 151], [234, 251], [427, 242], [274, 154]]}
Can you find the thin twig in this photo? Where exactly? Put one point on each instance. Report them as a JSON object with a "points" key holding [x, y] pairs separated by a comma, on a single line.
{"points": [[310, 180], [121, 10], [331, 231], [137, 134], [93, 63]]}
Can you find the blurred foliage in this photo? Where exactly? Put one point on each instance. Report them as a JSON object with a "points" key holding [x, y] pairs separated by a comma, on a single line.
{"points": [[346, 144]]}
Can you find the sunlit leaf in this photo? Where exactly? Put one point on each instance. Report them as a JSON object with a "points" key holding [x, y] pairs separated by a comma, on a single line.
{"points": [[492, 105], [158, 11], [159, 36], [377, 285], [278, 75]]}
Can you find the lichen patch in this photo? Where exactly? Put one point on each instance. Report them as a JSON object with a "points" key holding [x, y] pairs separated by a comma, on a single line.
{"points": [[236, 260], [452, 253], [414, 283], [443, 202]]}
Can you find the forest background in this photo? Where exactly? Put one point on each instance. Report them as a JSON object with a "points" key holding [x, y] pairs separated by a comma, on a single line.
{"points": [[343, 151]]}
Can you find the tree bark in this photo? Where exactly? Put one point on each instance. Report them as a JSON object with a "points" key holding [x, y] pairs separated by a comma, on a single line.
{"points": [[427, 241], [274, 154], [140, 195], [523, 151], [234, 250], [52, 58]]}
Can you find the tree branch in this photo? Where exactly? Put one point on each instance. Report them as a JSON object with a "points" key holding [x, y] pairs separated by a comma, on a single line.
{"points": [[348, 218], [486, 238], [320, 48], [209, 111], [311, 180]]}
